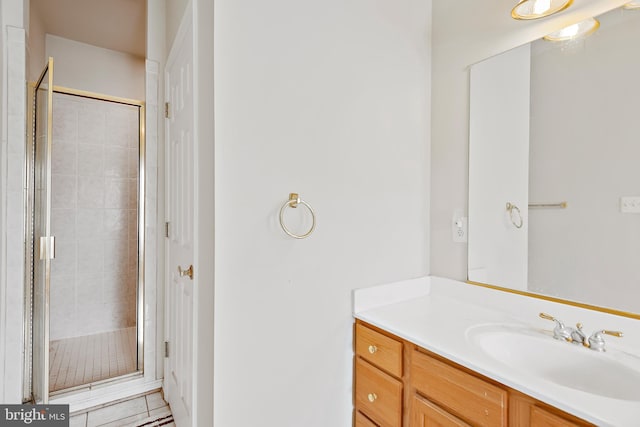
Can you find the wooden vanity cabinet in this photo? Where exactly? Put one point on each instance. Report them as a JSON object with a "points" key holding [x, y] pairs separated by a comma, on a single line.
{"points": [[378, 388], [460, 393], [397, 384], [526, 411]]}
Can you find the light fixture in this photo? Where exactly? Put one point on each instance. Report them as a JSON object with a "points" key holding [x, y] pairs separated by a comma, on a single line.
{"points": [[581, 29], [632, 5], [534, 9]]}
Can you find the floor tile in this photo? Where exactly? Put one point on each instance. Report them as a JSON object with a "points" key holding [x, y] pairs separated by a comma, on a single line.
{"points": [[158, 412], [83, 360], [125, 422], [119, 411], [155, 400]]}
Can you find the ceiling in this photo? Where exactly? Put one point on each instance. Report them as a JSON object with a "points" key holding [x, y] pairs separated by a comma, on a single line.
{"points": [[118, 25]]}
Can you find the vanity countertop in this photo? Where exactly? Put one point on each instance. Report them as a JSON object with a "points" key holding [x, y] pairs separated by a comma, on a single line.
{"points": [[437, 315]]}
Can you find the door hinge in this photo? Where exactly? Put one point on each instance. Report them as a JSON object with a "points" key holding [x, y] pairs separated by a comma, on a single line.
{"points": [[47, 247], [166, 110], [166, 229], [166, 349]]}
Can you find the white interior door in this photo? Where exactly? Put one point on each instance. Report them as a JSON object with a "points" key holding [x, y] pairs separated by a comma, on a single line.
{"points": [[181, 277]]}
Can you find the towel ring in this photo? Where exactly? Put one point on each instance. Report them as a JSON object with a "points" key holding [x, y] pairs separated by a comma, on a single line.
{"points": [[293, 202], [511, 208]]}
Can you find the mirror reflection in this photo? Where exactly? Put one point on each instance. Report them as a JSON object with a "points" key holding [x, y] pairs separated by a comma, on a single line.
{"points": [[554, 182]]}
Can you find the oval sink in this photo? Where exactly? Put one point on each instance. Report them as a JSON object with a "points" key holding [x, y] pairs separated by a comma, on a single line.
{"points": [[605, 374]]}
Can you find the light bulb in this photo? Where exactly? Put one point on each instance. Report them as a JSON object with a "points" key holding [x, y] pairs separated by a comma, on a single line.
{"points": [[541, 6], [569, 31], [581, 29]]}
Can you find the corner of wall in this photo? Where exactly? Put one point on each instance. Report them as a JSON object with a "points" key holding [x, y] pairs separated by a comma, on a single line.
{"points": [[12, 217]]}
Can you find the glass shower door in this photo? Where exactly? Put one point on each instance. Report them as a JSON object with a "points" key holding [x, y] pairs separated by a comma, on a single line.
{"points": [[43, 243]]}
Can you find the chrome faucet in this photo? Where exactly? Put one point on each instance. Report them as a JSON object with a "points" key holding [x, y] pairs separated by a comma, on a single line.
{"points": [[596, 341], [577, 336]]}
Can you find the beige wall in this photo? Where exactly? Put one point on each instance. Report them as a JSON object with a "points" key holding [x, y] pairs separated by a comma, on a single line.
{"points": [[36, 57], [95, 69]]}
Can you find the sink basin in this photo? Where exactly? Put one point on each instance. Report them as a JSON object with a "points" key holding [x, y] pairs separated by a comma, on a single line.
{"points": [[609, 374]]}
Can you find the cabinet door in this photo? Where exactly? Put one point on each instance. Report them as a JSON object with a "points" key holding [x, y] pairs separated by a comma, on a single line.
{"points": [[362, 421], [426, 414], [541, 418]]}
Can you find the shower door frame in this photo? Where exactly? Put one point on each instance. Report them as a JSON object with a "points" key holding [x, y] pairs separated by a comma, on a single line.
{"points": [[140, 285]]}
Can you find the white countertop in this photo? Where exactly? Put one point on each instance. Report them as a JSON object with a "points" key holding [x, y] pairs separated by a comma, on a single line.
{"points": [[436, 314]]}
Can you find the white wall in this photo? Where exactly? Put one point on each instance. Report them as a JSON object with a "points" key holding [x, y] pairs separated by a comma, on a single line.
{"points": [[174, 10], [3, 179], [94, 69], [12, 151], [462, 36], [587, 252], [331, 100]]}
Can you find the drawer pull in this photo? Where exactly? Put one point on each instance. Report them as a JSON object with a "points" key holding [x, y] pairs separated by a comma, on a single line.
{"points": [[373, 349], [372, 397]]}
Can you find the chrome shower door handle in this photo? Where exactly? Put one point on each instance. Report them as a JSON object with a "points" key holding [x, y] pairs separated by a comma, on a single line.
{"points": [[187, 272]]}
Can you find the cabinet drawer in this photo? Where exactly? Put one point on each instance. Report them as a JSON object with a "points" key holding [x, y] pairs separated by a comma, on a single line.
{"points": [[362, 421], [379, 349], [425, 413], [464, 395], [378, 395]]}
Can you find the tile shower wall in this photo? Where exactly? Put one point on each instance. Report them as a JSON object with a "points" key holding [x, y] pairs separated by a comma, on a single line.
{"points": [[94, 216]]}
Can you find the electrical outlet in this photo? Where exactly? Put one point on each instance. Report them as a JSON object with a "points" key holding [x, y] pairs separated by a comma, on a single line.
{"points": [[459, 226], [630, 204]]}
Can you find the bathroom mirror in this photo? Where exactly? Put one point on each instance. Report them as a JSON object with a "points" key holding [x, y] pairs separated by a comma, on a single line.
{"points": [[554, 181]]}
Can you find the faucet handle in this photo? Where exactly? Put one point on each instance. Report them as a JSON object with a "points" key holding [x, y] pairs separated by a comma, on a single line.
{"points": [[548, 317], [578, 336], [560, 332], [596, 341]]}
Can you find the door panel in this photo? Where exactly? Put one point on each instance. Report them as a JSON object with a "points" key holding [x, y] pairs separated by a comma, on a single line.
{"points": [[43, 243], [180, 212]]}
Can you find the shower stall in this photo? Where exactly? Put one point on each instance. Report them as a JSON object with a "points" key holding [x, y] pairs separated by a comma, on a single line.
{"points": [[84, 240]]}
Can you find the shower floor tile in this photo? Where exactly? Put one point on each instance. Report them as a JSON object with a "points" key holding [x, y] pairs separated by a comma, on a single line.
{"points": [[83, 360]]}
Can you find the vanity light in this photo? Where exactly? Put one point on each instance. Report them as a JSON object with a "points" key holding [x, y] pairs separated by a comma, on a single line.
{"points": [[581, 29], [632, 5], [534, 9]]}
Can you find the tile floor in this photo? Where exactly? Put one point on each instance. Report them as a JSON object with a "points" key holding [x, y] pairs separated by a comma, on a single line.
{"points": [[142, 411], [91, 358]]}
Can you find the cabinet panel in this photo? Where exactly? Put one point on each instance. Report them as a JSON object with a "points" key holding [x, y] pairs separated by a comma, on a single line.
{"points": [[426, 414], [379, 349], [378, 395], [541, 418], [467, 396], [362, 421]]}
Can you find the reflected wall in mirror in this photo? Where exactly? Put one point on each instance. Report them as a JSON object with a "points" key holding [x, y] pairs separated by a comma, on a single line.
{"points": [[553, 123]]}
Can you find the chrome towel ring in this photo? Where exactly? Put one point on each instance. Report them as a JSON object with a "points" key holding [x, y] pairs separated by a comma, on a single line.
{"points": [[293, 202], [514, 215]]}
